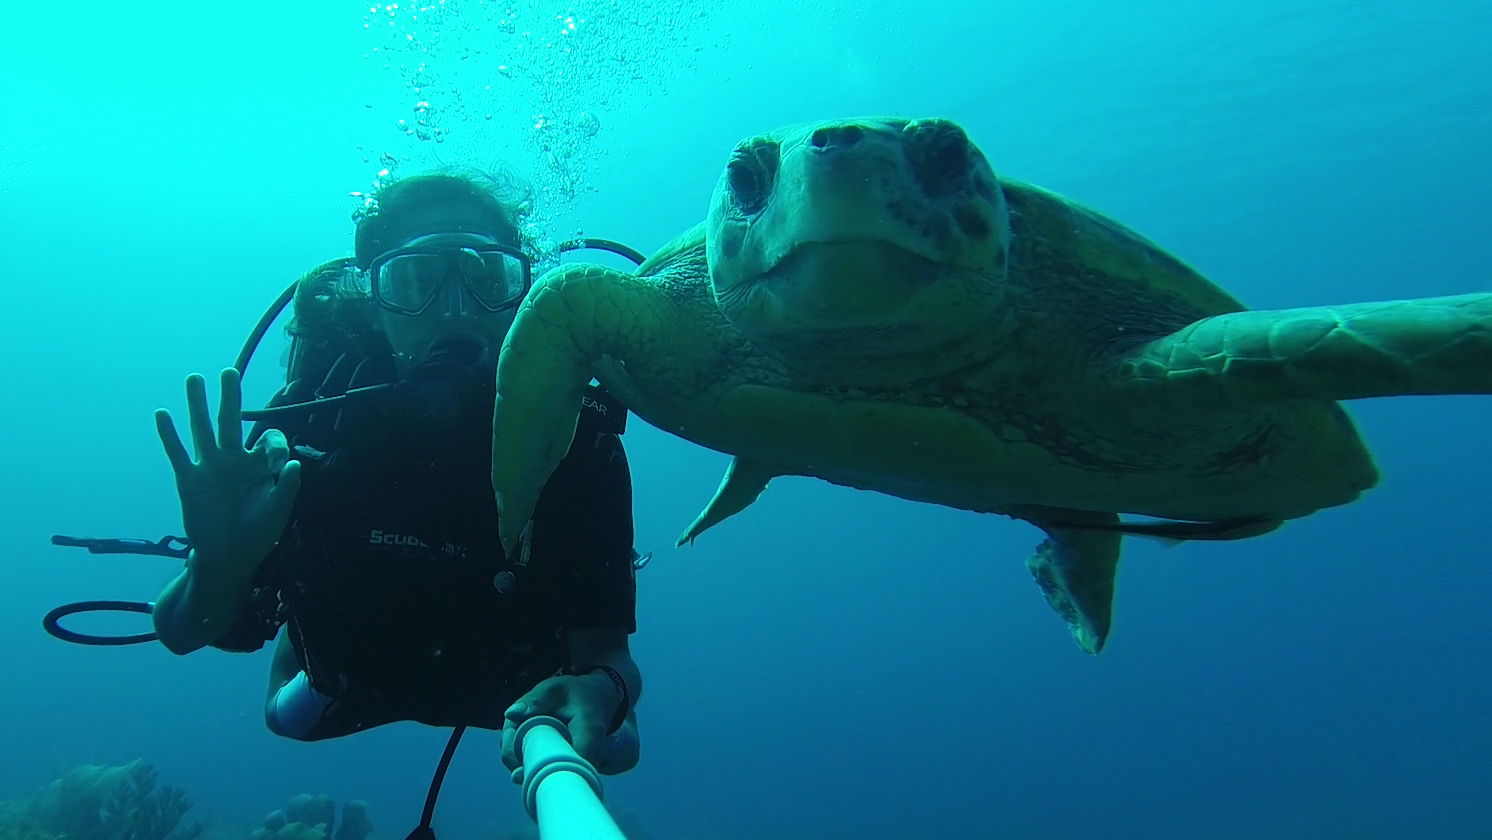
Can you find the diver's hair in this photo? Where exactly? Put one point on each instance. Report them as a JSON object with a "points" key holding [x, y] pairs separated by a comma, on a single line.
{"points": [[501, 201], [332, 315]]}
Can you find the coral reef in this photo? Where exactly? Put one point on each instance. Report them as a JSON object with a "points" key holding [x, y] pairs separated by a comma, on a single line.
{"points": [[127, 802], [16, 823], [291, 831], [307, 817], [100, 802], [355, 824]]}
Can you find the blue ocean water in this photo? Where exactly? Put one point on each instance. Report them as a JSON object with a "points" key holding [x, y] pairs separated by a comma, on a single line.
{"points": [[831, 663]]}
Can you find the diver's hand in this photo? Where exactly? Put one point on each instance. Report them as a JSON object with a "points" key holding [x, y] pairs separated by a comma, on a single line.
{"points": [[234, 501], [586, 704]]}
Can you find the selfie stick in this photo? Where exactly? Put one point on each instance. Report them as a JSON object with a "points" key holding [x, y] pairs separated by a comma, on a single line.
{"points": [[561, 790]]}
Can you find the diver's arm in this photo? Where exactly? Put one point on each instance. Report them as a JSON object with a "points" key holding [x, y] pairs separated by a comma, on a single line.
{"points": [[594, 493], [592, 648], [203, 602], [588, 700], [584, 521]]}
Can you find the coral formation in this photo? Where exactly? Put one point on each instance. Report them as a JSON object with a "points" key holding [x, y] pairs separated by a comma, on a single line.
{"points": [[16, 823], [126, 802], [100, 802], [307, 817], [355, 824]]}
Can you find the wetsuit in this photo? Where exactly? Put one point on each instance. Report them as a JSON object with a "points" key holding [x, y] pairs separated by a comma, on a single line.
{"points": [[390, 579]]}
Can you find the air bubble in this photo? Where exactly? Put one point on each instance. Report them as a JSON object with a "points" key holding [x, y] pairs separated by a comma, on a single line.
{"points": [[587, 123]]}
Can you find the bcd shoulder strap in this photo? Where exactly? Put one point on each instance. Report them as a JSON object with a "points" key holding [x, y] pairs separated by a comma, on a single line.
{"points": [[603, 410]]}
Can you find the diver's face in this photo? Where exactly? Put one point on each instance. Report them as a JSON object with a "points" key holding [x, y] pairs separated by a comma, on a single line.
{"points": [[441, 290]]}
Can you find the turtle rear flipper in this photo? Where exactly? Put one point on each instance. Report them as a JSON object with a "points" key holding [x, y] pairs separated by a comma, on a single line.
{"points": [[1440, 345], [744, 481], [1075, 569]]}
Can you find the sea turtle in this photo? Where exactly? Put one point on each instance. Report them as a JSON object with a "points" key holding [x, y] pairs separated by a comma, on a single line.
{"points": [[868, 304]]}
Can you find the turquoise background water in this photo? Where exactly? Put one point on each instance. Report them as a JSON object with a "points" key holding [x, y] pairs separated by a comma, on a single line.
{"points": [[831, 663]]}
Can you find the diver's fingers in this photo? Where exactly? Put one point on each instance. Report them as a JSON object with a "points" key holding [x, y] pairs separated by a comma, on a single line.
{"points": [[510, 744], [175, 452], [230, 412], [543, 699], [282, 497], [586, 736], [197, 416], [275, 448]]}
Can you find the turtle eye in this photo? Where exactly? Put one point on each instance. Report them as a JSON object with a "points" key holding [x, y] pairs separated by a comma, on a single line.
{"points": [[751, 174]]}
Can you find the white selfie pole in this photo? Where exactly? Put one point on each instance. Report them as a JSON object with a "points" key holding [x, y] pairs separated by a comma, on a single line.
{"points": [[561, 790]]}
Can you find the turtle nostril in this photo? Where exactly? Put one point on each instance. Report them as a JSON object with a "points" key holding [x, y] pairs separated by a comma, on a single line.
{"points": [[940, 156], [838, 136]]}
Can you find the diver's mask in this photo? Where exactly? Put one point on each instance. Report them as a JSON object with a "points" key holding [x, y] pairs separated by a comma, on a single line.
{"points": [[409, 280]]}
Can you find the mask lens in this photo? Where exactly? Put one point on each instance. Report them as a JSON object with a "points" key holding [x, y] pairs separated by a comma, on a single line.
{"points": [[497, 279], [409, 282]]}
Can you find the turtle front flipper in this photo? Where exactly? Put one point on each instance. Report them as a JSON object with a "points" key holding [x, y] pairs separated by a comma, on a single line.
{"points": [[573, 316], [1075, 568], [1439, 345]]}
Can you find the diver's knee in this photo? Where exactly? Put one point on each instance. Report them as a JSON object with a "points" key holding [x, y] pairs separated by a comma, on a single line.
{"points": [[295, 710]]}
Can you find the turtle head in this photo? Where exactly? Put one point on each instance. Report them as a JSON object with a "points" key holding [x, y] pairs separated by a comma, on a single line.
{"points": [[858, 240]]}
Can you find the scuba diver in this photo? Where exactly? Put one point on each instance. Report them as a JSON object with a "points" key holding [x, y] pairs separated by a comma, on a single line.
{"points": [[355, 522]]}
